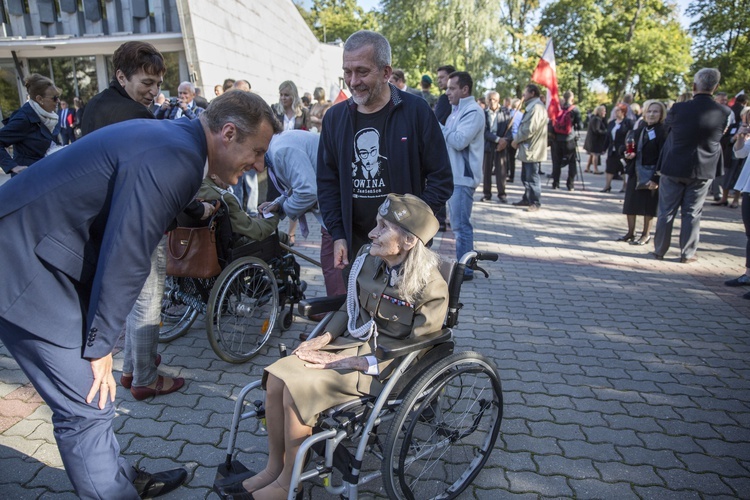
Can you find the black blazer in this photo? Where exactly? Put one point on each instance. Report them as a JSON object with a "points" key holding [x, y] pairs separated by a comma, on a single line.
{"points": [[692, 149], [112, 105], [613, 146]]}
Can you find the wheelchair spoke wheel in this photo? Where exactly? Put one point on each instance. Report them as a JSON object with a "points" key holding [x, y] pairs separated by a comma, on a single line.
{"points": [[445, 429], [176, 316], [242, 309]]}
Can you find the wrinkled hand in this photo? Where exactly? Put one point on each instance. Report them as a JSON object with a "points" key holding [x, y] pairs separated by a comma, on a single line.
{"points": [[652, 185], [514, 144], [340, 252], [501, 145], [314, 344], [104, 382], [321, 360], [629, 156]]}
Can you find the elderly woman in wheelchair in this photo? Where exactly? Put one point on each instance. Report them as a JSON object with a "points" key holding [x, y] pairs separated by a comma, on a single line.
{"points": [[395, 290]]}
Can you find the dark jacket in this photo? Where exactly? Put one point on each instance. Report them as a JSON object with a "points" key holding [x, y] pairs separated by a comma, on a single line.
{"points": [[28, 136], [443, 108], [693, 147], [501, 130], [413, 143], [80, 227], [171, 113], [648, 150], [575, 120], [596, 136], [301, 122], [613, 146], [113, 105]]}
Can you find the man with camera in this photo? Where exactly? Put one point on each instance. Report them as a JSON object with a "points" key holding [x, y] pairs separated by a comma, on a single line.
{"points": [[184, 105]]}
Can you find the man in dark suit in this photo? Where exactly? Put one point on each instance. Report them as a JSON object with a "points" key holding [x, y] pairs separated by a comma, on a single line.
{"points": [[688, 164], [78, 233], [65, 119]]}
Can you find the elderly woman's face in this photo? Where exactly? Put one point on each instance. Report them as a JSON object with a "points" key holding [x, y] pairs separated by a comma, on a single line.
{"points": [[619, 115], [387, 240], [48, 101]]}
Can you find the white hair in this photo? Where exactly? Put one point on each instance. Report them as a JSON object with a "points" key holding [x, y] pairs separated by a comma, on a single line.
{"points": [[416, 269]]}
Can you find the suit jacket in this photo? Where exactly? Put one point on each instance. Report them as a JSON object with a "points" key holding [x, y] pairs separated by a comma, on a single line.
{"points": [[28, 136], [692, 149], [113, 105], [614, 145], [501, 130], [301, 122], [80, 227]]}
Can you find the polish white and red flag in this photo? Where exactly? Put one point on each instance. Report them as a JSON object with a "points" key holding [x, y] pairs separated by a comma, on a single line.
{"points": [[734, 99], [546, 74]]}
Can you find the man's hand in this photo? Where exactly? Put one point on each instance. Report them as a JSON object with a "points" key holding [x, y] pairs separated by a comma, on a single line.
{"points": [[314, 344], [514, 144], [182, 104], [268, 206], [104, 382], [501, 145], [629, 156], [165, 104], [18, 169], [340, 254], [652, 185]]}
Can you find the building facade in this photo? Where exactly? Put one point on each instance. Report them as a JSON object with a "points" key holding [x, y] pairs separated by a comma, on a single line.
{"points": [[205, 41]]}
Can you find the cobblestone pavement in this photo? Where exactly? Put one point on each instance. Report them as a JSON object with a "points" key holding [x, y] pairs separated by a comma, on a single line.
{"points": [[624, 377]]}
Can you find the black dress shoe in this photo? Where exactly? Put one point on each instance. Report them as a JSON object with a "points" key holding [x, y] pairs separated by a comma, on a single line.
{"points": [[743, 280], [160, 483], [521, 204], [627, 237]]}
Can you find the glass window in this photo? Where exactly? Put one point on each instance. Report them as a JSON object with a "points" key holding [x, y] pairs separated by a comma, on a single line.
{"points": [[9, 98], [74, 76]]}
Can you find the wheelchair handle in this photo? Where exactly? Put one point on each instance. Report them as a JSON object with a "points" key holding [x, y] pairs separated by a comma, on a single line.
{"points": [[487, 256]]}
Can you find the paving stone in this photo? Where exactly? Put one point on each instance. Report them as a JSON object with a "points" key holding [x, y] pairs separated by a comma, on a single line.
{"points": [[638, 455], [583, 449], [592, 488], [699, 462], [551, 465], [550, 486], [643, 475], [707, 484]]}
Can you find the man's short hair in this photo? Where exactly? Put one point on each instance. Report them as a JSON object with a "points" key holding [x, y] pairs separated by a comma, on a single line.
{"points": [[740, 99], [492, 93], [464, 79], [243, 85], [399, 74], [228, 84], [379, 44], [534, 89], [247, 111], [447, 68], [189, 84], [707, 79], [131, 57], [568, 95], [720, 94]]}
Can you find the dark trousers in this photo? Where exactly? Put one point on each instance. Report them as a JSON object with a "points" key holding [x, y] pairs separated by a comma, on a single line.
{"points": [[564, 154], [84, 433], [496, 161], [67, 136], [746, 221], [511, 162], [688, 196]]}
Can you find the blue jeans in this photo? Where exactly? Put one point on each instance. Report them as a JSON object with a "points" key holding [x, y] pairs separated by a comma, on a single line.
{"points": [[142, 324], [532, 182], [460, 204]]}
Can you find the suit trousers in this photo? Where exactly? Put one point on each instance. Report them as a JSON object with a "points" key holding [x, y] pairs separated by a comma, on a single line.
{"points": [[84, 433], [496, 161], [685, 194], [142, 324]]}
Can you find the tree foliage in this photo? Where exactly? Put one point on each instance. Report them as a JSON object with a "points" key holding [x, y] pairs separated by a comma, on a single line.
{"points": [[629, 45], [425, 34], [332, 20], [722, 34]]}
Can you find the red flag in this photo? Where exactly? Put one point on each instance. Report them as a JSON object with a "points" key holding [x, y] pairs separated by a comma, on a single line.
{"points": [[733, 99], [341, 97], [546, 74]]}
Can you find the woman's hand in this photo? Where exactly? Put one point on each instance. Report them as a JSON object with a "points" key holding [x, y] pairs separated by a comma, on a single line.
{"points": [[314, 344], [322, 360], [652, 185], [629, 156]]}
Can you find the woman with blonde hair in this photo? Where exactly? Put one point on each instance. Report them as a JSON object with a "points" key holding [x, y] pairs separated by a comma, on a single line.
{"points": [[291, 113], [641, 197], [33, 130]]}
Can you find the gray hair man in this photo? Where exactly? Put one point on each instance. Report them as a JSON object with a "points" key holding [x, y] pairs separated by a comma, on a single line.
{"points": [[410, 155], [184, 105], [688, 164]]}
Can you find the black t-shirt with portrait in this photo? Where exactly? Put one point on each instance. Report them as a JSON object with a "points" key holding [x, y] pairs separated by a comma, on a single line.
{"points": [[370, 180]]}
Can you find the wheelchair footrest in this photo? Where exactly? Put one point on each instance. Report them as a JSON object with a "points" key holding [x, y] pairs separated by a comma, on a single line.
{"points": [[235, 473]]}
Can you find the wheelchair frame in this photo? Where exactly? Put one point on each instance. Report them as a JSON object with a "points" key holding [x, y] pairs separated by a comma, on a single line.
{"points": [[417, 399], [276, 273]]}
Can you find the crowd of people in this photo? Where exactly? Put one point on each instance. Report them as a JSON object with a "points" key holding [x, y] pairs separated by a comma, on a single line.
{"points": [[382, 171]]}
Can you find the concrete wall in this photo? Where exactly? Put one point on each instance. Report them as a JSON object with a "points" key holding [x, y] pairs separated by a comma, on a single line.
{"points": [[264, 42]]}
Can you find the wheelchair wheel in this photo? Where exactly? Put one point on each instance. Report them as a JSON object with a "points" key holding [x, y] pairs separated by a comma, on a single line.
{"points": [[445, 429], [176, 316], [242, 309], [286, 318]]}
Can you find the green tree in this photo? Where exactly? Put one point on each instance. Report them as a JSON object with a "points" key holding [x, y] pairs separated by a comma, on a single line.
{"points": [[630, 45], [332, 20], [722, 39], [425, 34]]}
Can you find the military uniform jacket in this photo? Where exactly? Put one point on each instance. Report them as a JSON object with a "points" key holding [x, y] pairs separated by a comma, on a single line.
{"points": [[316, 390]]}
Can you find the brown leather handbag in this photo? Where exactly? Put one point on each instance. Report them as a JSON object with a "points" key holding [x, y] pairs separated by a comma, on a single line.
{"points": [[191, 252]]}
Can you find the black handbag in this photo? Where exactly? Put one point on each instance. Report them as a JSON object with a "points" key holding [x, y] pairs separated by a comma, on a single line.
{"points": [[643, 173]]}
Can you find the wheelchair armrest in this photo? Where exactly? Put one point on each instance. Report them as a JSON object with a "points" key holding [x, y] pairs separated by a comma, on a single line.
{"points": [[389, 348], [319, 305]]}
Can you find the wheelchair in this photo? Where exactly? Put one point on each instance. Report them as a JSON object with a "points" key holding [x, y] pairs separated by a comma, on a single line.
{"points": [[433, 427], [258, 287]]}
